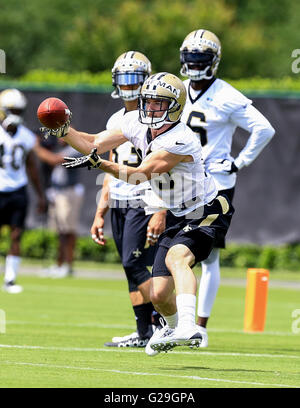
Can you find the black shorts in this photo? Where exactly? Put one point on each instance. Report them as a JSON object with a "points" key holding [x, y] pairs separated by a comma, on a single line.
{"points": [[13, 208], [129, 228], [199, 235]]}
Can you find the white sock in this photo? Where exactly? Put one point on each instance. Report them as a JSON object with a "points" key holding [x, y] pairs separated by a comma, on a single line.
{"points": [[186, 309], [12, 263], [171, 320], [209, 284]]}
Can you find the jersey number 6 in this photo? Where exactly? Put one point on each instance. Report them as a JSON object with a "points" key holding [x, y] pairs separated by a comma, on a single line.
{"points": [[198, 129]]}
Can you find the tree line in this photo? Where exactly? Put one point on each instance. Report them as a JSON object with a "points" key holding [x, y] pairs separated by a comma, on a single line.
{"points": [[257, 37]]}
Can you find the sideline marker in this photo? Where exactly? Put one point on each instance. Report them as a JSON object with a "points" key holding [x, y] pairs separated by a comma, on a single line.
{"points": [[256, 300]]}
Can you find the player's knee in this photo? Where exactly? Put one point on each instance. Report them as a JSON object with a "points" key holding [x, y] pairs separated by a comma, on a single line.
{"points": [[158, 294], [157, 298], [178, 257]]}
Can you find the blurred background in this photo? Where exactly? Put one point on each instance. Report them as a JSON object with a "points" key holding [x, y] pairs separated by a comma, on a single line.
{"points": [[257, 36], [67, 49]]}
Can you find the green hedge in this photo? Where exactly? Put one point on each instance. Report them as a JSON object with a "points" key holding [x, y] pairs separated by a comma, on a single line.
{"points": [[101, 82], [285, 257], [42, 244]]}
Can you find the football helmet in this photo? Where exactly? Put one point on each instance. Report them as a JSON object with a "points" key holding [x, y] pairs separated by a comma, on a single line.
{"points": [[12, 106], [162, 87], [130, 68], [200, 55]]}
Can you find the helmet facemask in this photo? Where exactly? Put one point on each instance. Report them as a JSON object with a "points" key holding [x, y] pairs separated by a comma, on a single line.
{"points": [[197, 65], [131, 69], [127, 79], [200, 55], [162, 100], [148, 117]]}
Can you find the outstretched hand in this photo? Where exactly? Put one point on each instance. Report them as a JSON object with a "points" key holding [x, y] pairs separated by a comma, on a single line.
{"points": [[59, 132], [92, 160]]}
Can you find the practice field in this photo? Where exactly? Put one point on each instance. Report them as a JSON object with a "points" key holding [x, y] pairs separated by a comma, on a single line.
{"points": [[56, 330]]}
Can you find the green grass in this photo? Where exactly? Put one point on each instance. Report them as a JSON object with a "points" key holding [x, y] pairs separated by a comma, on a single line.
{"points": [[56, 330]]}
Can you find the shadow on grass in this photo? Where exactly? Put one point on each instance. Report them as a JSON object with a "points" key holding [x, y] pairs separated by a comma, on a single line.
{"points": [[235, 370]]}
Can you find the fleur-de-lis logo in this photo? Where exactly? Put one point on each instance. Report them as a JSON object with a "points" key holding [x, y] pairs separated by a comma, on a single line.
{"points": [[137, 253]]}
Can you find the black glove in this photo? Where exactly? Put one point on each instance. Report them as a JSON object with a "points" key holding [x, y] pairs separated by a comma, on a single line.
{"points": [[92, 160], [233, 169]]}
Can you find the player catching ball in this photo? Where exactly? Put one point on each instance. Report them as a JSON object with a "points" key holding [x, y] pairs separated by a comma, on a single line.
{"points": [[172, 162]]}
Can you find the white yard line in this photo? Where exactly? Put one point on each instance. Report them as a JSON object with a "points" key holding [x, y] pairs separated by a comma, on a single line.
{"points": [[186, 377], [133, 350]]}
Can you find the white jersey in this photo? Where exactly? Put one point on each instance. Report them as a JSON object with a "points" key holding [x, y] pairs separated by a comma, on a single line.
{"points": [[125, 154], [13, 153], [214, 116], [185, 187]]}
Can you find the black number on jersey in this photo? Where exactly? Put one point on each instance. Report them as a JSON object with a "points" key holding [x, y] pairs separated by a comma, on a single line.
{"points": [[115, 156], [18, 159], [198, 129], [134, 160], [167, 184]]}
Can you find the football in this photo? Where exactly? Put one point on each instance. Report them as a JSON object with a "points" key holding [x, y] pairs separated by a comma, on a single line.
{"points": [[53, 113]]}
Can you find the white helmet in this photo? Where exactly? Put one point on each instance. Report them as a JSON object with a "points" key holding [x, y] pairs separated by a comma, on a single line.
{"points": [[130, 68], [12, 106], [202, 49], [162, 87]]}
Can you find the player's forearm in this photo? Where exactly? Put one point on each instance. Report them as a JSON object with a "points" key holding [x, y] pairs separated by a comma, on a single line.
{"points": [[261, 132], [47, 156], [256, 143], [103, 204], [161, 162], [80, 141], [132, 175], [103, 141]]}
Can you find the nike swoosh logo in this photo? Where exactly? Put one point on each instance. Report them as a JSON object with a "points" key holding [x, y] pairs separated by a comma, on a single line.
{"points": [[178, 143]]}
